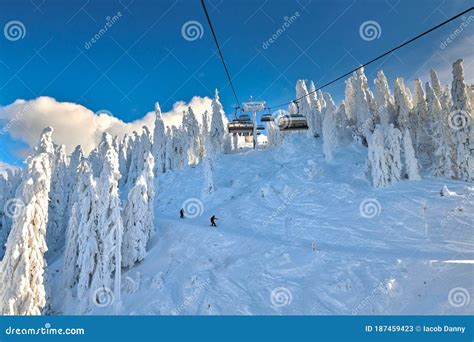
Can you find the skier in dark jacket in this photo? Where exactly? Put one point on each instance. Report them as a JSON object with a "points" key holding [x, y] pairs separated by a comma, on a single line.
{"points": [[213, 221], [181, 213]]}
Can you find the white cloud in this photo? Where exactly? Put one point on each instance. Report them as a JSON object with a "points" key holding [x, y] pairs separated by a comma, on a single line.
{"points": [[442, 61], [4, 167], [75, 124]]}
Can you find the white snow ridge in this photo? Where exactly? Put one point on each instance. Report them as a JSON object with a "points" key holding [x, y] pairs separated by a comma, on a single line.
{"points": [[368, 211]]}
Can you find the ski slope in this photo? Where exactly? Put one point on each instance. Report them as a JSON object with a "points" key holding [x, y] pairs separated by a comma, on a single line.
{"points": [[295, 238]]}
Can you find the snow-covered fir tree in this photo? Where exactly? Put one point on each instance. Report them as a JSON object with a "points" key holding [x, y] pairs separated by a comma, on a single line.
{"points": [[217, 129], [138, 216], [58, 204], [22, 268], [159, 142], [384, 100], [385, 155], [393, 139], [208, 162], [190, 126], [363, 104], [436, 84], [10, 184], [462, 121], [306, 107], [124, 153], [108, 263], [421, 132], [442, 136], [316, 110], [329, 128], [85, 225], [411, 162], [403, 104], [79, 237], [377, 158], [141, 147]]}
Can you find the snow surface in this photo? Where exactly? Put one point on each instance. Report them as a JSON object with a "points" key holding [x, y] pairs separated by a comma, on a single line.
{"points": [[292, 239]]}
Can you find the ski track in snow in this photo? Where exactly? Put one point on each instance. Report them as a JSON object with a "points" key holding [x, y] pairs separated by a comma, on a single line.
{"points": [[401, 261]]}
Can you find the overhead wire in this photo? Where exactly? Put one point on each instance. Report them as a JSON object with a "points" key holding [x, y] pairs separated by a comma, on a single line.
{"points": [[220, 52], [377, 58]]}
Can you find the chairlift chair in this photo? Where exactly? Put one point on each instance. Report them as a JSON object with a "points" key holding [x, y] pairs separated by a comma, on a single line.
{"points": [[293, 121], [267, 117]]}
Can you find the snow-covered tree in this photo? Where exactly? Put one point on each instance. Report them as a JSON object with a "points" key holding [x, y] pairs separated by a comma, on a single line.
{"points": [[208, 162], [141, 148], [58, 204], [217, 129], [442, 136], [384, 100], [84, 223], [403, 104], [329, 128], [316, 111], [190, 127], [419, 122], [169, 160], [362, 103], [108, 263], [75, 160], [159, 142], [138, 217], [274, 134], [436, 84], [462, 121], [385, 155], [81, 233], [179, 149], [393, 138], [377, 158], [9, 186], [22, 268], [306, 107], [411, 162], [124, 153]]}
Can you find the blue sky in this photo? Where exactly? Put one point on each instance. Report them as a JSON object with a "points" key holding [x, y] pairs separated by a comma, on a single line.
{"points": [[143, 57]]}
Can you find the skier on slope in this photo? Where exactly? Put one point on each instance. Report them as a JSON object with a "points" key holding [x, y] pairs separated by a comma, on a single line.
{"points": [[213, 221], [181, 213]]}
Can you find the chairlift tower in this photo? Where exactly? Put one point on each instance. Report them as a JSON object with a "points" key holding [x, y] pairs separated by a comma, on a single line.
{"points": [[253, 107]]}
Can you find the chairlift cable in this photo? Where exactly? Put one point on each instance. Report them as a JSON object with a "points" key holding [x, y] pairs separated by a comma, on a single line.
{"points": [[378, 57], [220, 52]]}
